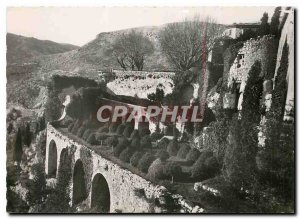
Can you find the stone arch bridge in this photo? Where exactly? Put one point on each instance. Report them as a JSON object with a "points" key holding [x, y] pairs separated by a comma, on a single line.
{"points": [[97, 181]]}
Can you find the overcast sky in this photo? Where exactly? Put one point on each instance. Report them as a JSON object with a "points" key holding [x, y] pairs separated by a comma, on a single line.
{"points": [[80, 25]]}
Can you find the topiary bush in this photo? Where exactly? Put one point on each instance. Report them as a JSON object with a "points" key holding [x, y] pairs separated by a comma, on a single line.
{"points": [[162, 155], [135, 143], [101, 137], [126, 154], [146, 142], [86, 134], [92, 139], [172, 148], [118, 149], [135, 158], [103, 129], [173, 171], [112, 141], [127, 131], [163, 144], [120, 129], [156, 136], [145, 162], [135, 134], [70, 126], [156, 170], [183, 151], [201, 169], [144, 131], [192, 156], [113, 127], [81, 131]]}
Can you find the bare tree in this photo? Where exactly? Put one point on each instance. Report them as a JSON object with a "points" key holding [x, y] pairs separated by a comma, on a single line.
{"points": [[131, 49], [187, 43]]}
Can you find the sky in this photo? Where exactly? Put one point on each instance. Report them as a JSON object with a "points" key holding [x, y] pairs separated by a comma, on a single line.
{"points": [[78, 25]]}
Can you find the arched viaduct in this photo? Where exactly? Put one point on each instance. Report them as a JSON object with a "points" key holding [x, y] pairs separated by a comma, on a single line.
{"points": [[98, 182]]}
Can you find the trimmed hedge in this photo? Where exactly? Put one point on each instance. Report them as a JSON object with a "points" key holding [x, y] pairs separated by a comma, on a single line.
{"points": [[112, 141], [92, 139], [162, 155], [192, 156], [121, 129], [126, 154], [146, 142], [163, 144], [144, 131], [135, 143], [118, 149], [145, 162], [156, 136], [173, 148], [183, 151], [135, 158], [173, 169], [156, 170]]}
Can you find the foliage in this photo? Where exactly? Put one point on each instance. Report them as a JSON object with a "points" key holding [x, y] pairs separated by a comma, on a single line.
{"points": [[145, 162], [18, 146], [103, 129], [122, 144], [126, 154], [121, 129], [81, 131], [135, 143], [27, 135], [185, 43], [173, 170], [156, 170], [127, 131], [86, 134], [113, 127], [143, 132], [131, 50], [205, 167], [274, 25], [135, 134], [158, 96], [163, 143], [156, 136], [173, 148], [135, 158], [162, 155], [71, 126], [112, 141], [183, 150], [146, 142], [92, 139], [264, 27]]}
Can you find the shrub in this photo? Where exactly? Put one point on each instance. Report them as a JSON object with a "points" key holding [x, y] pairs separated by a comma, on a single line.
{"points": [[101, 137], [113, 127], [162, 155], [81, 131], [144, 131], [156, 170], [146, 142], [135, 134], [192, 156], [112, 141], [86, 134], [126, 154], [173, 148], [134, 160], [172, 170], [145, 162], [156, 136], [127, 131], [70, 126], [123, 140], [201, 170], [103, 129], [183, 151], [135, 143], [163, 144], [92, 139], [120, 129], [118, 149], [76, 126]]}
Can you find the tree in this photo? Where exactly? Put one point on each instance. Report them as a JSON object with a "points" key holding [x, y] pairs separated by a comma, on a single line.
{"points": [[187, 43], [264, 28], [18, 146], [131, 50], [27, 135], [274, 26], [158, 96]]}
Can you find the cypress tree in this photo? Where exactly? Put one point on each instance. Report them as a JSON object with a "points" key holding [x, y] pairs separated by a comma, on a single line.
{"points": [[264, 28], [274, 26], [18, 146], [27, 135]]}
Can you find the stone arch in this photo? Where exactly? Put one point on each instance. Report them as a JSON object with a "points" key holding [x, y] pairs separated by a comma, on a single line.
{"points": [[63, 159], [52, 159], [79, 186], [100, 196]]}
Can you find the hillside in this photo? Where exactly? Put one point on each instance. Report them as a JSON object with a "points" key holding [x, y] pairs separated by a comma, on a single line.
{"points": [[21, 49], [95, 55]]}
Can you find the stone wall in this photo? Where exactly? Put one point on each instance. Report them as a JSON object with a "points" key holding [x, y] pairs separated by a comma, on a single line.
{"points": [[141, 83], [122, 183]]}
